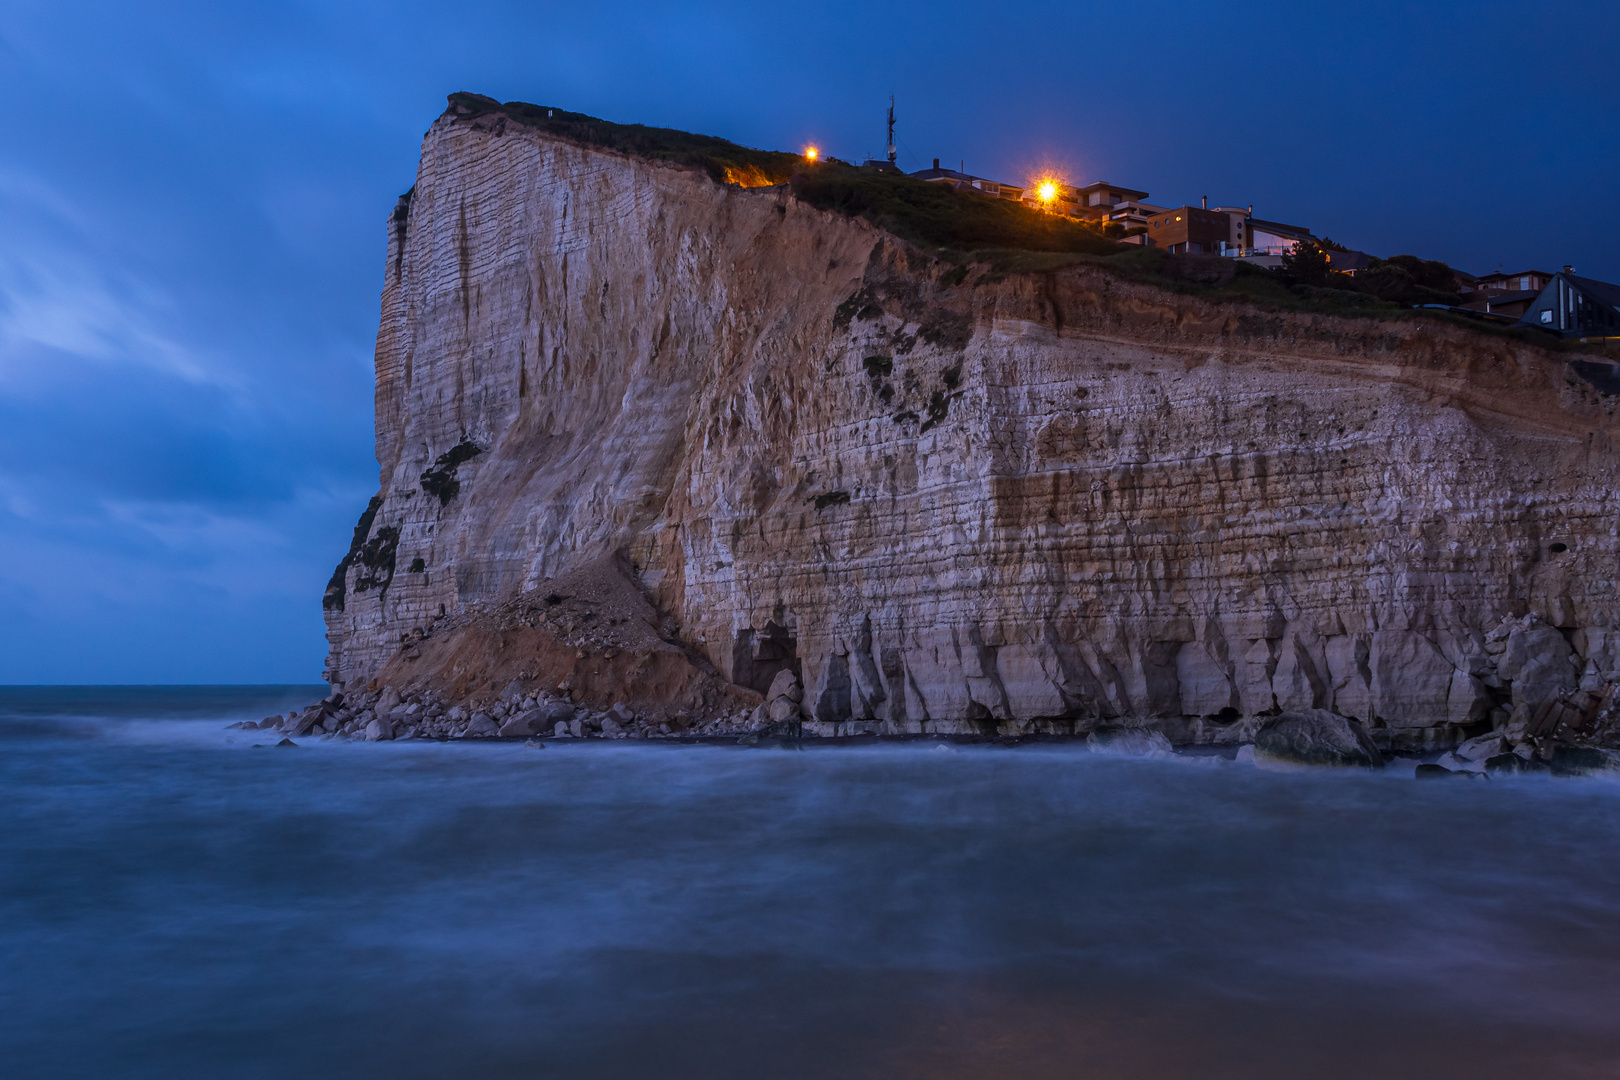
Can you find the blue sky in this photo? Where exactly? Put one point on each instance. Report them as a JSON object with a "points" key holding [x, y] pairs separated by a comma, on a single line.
{"points": [[193, 196]]}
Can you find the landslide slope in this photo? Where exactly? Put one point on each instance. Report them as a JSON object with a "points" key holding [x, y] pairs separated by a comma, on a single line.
{"points": [[956, 499]]}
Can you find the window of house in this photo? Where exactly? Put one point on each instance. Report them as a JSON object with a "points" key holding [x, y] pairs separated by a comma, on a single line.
{"points": [[1546, 316]]}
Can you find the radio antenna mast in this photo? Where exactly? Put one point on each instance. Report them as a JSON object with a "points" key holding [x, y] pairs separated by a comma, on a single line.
{"points": [[891, 129]]}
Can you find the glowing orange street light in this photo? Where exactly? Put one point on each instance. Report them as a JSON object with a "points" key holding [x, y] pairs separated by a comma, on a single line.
{"points": [[1047, 192], [811, 153]]}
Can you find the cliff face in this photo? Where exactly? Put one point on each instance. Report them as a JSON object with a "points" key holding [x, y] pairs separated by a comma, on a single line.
{"points": [[1038, 502]]}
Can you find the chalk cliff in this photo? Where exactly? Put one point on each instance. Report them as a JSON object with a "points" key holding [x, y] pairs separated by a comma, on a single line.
{"points": [[1037, 502]]}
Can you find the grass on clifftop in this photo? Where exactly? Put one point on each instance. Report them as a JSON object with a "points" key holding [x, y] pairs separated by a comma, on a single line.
{"points": [[723, 161], [938, 218], [969, 228], [931, 216]]}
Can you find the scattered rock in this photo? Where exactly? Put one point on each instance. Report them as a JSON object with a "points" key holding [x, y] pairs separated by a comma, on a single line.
{"points": [[1449, 760], [1316, 737], [1583, 761], [785, 685], [286, 742], [1485, 746], [1122, 741], [784, 709], [524, 724], [481, 726], [610, 726], [1537, 661], [1433, 772], [1510, 764], [379, 730], [534, 744], [1245, 754], [298, 724]]}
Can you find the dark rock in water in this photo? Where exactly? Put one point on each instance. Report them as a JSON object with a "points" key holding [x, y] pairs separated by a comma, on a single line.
{"points": [[1440, 772], [1508, 764], [1583, 761], [286, 742], [1128, 741], [1317, 737]]}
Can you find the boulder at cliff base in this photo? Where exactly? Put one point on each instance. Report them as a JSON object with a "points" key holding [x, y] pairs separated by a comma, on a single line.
{"points": [[1316, 737], [1121, 741]]}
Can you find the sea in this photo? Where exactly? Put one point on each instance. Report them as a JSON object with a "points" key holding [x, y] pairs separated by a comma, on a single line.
{"points": [[179, 900]]}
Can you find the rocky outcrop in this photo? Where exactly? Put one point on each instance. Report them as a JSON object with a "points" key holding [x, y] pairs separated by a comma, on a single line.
{"points": [[1122, 741], [1316, 737], [946, 500]]}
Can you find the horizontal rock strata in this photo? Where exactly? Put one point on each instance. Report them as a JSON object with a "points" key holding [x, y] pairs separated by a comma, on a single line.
{"points": [[1035, 503]]}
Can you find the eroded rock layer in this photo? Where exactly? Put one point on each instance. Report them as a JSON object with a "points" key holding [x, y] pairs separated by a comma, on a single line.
{"points": [[1039, 502]]}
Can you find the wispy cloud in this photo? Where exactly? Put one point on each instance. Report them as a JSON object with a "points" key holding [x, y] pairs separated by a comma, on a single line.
{"points": [[55, 292]]}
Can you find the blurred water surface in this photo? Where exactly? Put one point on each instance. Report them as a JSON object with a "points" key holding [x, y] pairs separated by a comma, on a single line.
{"points": [[175, 902]]}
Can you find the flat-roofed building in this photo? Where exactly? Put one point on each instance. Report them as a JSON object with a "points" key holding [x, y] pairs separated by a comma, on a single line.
{"points": [[1521, 281], [962, 181], [1133, 213], [1506, 294], [1066, 202], [1103, 195], [1276, 238], [1190, 230]]}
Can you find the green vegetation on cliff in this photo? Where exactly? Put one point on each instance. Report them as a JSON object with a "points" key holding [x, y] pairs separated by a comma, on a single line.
{"points": [[939, 218], [967, 228], [723, 161], [932, 216]]}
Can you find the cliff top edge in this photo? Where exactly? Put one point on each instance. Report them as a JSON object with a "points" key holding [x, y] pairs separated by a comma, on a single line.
{"points": [[1000, 236]]}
